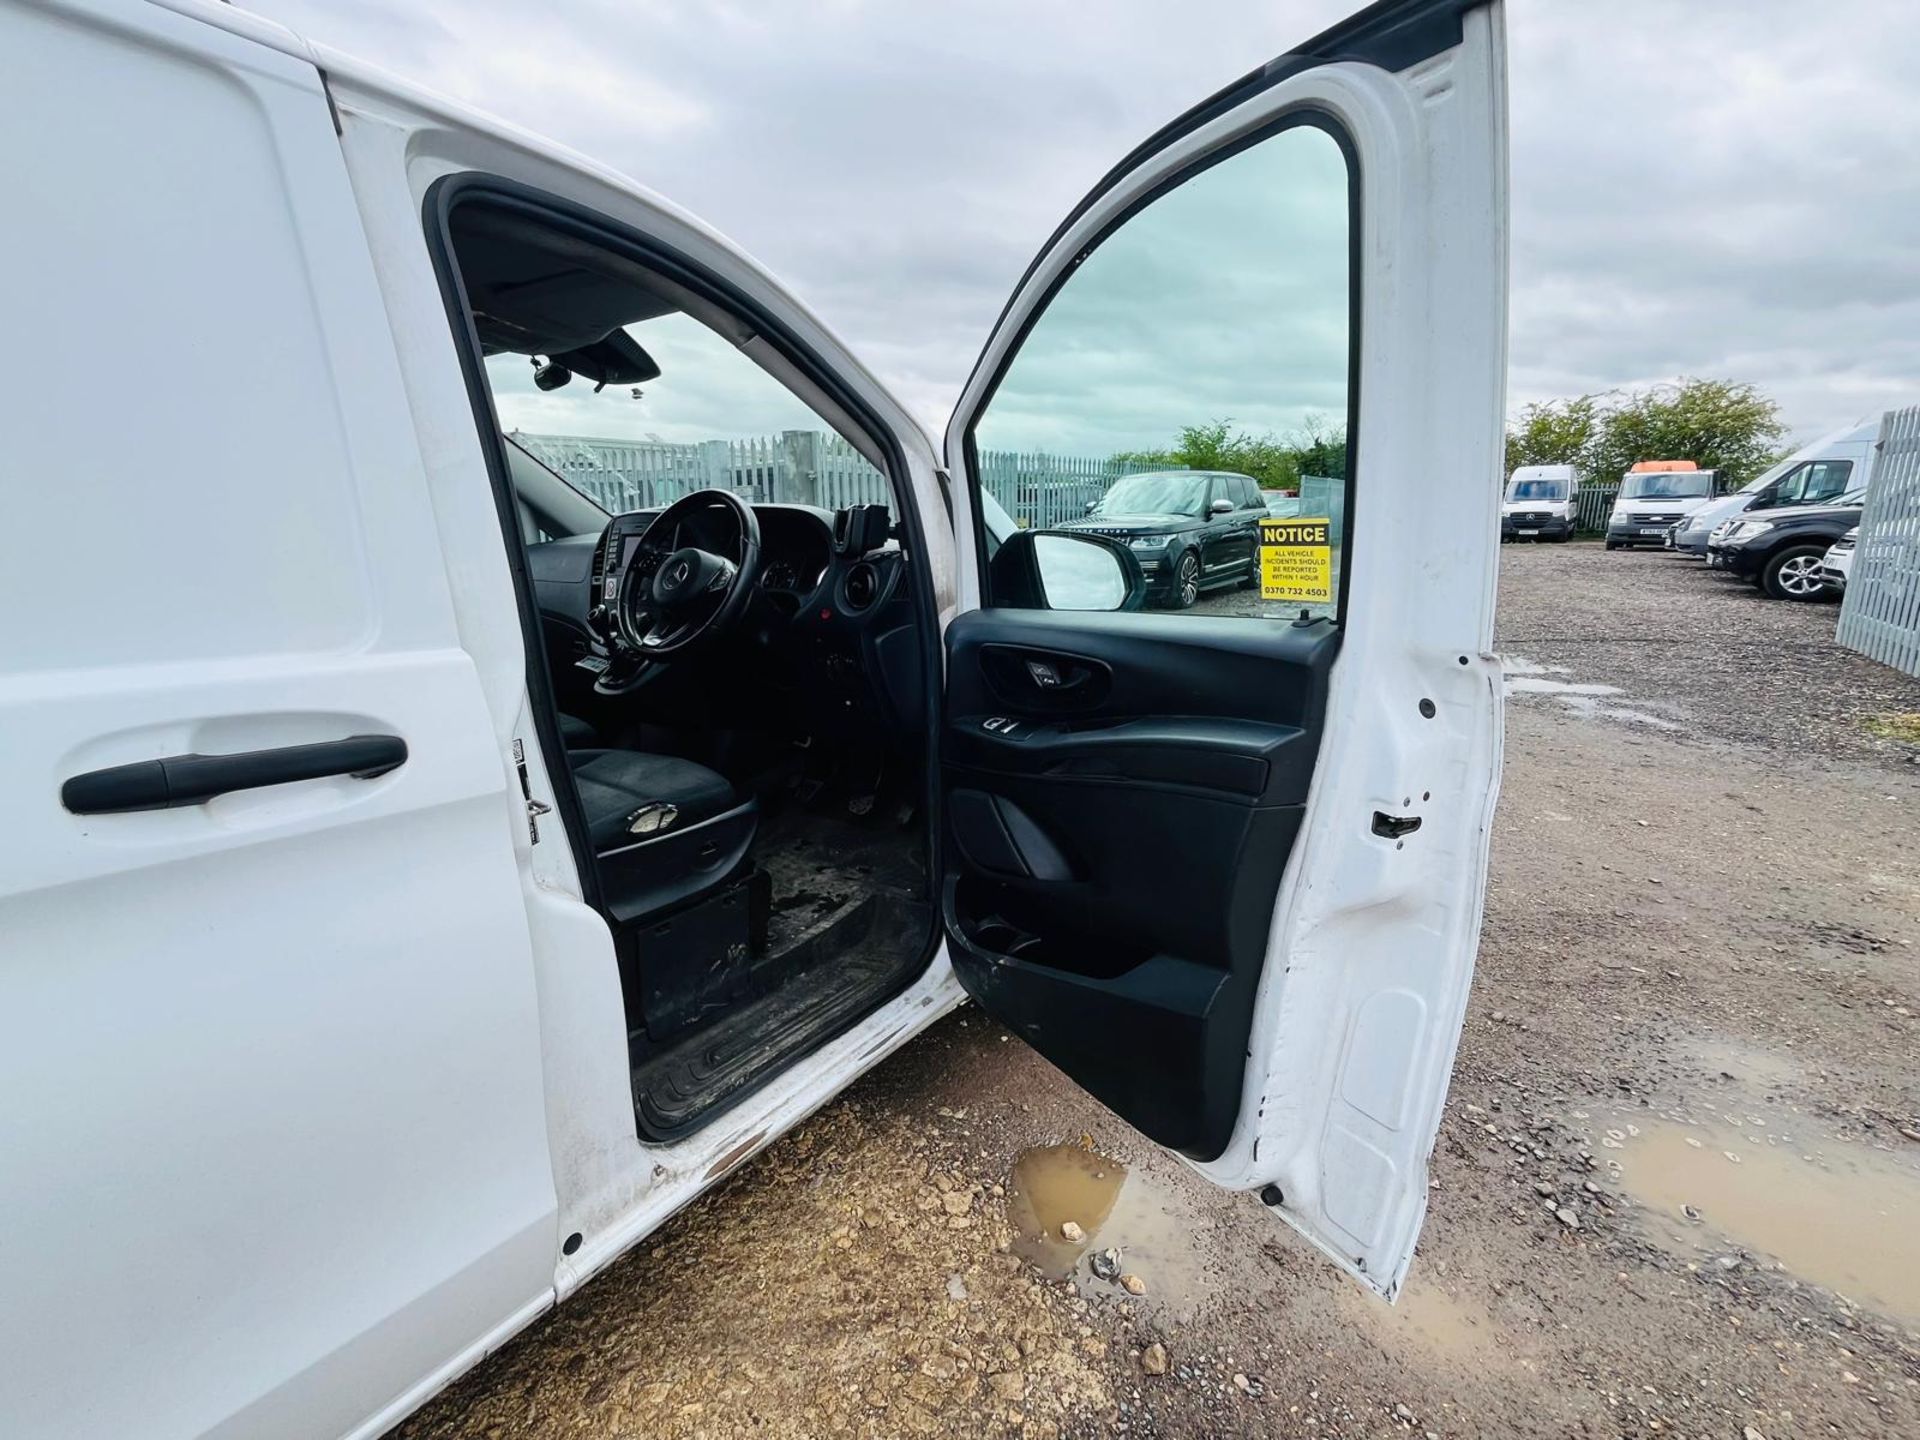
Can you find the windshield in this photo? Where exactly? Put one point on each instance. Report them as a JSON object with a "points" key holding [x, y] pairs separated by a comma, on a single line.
{"points": [[1154, 495], [1537, 490], [712, 419], [1666, 485]]}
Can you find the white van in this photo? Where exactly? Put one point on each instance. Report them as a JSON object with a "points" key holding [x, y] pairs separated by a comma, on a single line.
{"points": [[419, 882], [1654, 496], [1813, 474], [1542, 502]]}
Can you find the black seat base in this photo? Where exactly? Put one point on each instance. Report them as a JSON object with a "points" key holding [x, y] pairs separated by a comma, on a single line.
{"points": [[672, 868], [697, 961], [664, 830]]}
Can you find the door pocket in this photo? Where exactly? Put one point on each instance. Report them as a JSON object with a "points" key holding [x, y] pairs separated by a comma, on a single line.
{"points": [[1095, 1009]]}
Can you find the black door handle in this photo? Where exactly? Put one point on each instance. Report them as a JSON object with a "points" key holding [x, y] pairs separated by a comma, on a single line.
{"points": [[195, 779]]}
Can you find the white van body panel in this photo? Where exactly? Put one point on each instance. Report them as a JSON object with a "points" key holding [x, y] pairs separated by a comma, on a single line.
{"points": [[251, 1048], [1355, 1029], [1853, 443]]}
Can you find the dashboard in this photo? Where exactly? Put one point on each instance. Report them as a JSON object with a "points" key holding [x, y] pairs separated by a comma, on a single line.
{"points": [[830, 621], [796, 550]]}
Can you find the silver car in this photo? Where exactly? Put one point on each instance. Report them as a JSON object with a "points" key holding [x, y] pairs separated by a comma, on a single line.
{"points": [[1837, 564]]}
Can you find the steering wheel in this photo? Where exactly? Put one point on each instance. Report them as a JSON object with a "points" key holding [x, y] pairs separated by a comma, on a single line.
{"points": [[671, 601]]}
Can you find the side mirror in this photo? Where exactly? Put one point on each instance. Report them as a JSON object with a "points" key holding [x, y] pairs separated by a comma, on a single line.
{"points": [[1222, 506], [1066, 570], [1092, 505]]}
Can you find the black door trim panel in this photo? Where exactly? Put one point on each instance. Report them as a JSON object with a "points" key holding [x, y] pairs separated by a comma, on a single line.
{"points": [[177, 780], [1234, 757], [1113, 846]]}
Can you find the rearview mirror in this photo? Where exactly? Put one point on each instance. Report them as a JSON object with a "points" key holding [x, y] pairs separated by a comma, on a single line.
{"points": [[1061, 570]]}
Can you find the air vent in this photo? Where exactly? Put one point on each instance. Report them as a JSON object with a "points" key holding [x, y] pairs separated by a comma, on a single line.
{"points": [[863, 587], [599, 563]]}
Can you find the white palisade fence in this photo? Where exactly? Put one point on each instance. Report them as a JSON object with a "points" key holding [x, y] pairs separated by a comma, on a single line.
{"points": [[807, 467], [801, 466], [1880, 616]]}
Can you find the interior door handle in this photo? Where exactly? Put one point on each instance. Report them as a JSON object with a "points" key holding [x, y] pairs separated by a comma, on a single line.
{"points": [[1049, 675], [195, 779]]}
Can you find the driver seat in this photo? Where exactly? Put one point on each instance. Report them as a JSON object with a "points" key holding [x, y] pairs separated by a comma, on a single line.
{"points": [[664, 830]]}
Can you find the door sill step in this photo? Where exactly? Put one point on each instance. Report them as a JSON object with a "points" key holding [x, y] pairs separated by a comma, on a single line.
{"points": [[683, 1085]]}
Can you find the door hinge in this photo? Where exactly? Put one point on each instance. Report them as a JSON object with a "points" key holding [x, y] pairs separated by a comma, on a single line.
{"points": [[535, 808]]}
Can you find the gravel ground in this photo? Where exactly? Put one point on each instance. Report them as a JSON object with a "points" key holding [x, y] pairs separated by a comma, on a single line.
{"points": [[1701, 648], [1685, 938]]}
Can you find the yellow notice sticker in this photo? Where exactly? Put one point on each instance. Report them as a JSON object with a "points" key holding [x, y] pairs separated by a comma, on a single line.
{"points": [[1296, 561]]}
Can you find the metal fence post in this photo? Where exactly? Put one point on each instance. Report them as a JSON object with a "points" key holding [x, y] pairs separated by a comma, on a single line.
{"points": [[1594, 505], [1880, 613], [798, 467], [716, 465]]}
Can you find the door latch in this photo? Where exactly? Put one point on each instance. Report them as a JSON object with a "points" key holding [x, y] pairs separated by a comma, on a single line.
{"points": [[1393, 827], [535, 808]]}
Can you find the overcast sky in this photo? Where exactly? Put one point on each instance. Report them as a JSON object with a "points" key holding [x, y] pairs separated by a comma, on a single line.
{"points": [[1725, 188]]}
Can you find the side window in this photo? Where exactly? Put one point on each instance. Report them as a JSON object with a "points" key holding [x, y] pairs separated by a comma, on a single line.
{"points": [[1811, 482], [1826, 479], [1787, 489], [1204, 341]]}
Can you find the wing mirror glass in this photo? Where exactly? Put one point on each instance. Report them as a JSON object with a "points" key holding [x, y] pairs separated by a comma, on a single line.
{"points": [[1063, 570]]}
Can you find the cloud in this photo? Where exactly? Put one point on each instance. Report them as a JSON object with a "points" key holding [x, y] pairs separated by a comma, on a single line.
{"points": [[1722, 188]]}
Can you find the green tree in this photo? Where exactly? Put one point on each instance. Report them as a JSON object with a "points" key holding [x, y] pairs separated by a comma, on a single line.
{"points": [[1553, 432], [1318, 447], [1720, 425]]}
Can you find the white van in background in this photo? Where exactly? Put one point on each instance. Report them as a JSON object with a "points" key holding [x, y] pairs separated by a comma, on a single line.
{"points": [[1811, 475], [1542, 503], [1654, 496]]}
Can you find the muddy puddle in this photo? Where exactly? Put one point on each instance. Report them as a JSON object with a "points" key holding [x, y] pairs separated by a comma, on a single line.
{"points": [[1128, 1227], [1844, 1217], [1585, 699], [1426, 1317]]}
